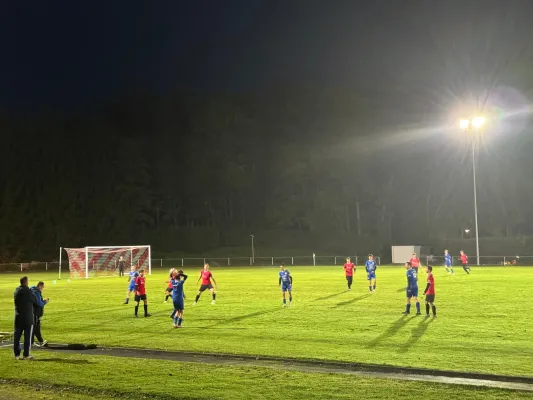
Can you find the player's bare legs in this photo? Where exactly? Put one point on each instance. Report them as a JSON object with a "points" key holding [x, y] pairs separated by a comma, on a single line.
{"points": [[214, 294]]}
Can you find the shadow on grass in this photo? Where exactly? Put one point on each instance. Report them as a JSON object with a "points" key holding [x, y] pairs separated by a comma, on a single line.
{"points": [[330, 296], [416, 334], [63, 361], [391, 331], [242, 318], [355, 299], [400, 290]]}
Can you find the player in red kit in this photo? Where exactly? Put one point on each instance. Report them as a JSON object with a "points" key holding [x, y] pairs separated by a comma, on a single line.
{"points": [[206, 276], [464, 260], [415, 263], [430, 292], [349, 271], [140, 293]]}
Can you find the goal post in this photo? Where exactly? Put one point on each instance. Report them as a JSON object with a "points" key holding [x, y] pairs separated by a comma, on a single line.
{"points": [[94, 261]]}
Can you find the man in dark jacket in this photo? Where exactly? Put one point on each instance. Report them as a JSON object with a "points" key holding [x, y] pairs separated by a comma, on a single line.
{"points": [[24, 302], [38, 311]]}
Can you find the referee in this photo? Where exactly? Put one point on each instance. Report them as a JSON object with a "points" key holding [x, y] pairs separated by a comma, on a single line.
{"points": [[121, 266]]}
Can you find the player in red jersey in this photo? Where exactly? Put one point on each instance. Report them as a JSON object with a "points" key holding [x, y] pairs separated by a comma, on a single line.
{"points": [[140, 293], [415, 263], [349, 271], [206, 276], [430, 292], [168, 290], [464, 260]]}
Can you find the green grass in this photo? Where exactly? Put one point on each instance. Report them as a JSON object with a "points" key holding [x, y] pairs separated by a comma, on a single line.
{"points": [[484, 322], [81, 377]]}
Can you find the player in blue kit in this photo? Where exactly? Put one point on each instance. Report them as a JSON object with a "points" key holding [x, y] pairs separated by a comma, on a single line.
{"points": [[285, 281], [131, 283], [412, 289], [448, 262], [178, 279], [371, 267]]}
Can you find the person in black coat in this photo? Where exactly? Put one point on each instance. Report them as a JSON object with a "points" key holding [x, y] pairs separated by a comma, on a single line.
{"points": [[24, 302], [38, 311]]}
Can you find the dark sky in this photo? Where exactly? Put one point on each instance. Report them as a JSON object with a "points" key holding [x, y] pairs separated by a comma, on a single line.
{"points": [[70, 52]]}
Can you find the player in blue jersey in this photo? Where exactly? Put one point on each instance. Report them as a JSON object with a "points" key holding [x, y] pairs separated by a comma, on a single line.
{"points": [[412, 289], [371, 267], [131, 283], [448, 262], [285, 282], [178, 279]]}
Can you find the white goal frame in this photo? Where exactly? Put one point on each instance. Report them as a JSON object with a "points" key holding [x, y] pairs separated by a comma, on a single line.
{"points": [[88, 249]]}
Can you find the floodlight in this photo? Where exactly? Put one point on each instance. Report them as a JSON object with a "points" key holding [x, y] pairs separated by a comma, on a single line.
{"points": [[478, 122], [464, 124]]}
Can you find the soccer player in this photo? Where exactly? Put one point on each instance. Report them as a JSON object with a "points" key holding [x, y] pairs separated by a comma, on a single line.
{"points": [[429, 292], [178, 279], [140, 293], [131, 283], [464, 260], [206, 276], [121, 266], [349, 270], [415, 262], [285, 282], [448, 262], [412, 289], [371, 267], [168, 290], [179, 275]]}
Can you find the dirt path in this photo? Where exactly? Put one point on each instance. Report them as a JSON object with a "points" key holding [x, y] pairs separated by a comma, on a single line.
{"points": [[377, 371]]}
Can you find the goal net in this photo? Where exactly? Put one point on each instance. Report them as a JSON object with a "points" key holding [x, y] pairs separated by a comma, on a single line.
{"points": [[88, 262]]}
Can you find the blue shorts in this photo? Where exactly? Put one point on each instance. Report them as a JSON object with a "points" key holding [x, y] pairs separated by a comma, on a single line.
{"points": [[411, 292], [178, 304], [371, 275], [131, 288], [286, 288], [447, 264]]}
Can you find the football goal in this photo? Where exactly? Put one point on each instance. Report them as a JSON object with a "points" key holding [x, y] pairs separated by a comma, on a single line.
{"points": [[95, 261]]}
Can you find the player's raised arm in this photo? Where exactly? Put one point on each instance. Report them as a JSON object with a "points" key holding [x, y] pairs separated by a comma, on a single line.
{"points": [[184, 277]]}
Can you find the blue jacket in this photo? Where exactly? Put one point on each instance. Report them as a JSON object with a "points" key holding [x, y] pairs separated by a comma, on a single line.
{"points": [[38, 308]]}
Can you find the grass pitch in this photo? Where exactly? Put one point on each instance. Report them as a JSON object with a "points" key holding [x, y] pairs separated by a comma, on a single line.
{"points": [[483, 325]]}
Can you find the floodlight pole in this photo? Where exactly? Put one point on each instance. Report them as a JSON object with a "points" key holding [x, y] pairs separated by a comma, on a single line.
{"points": [[253, 249], [475, 196]]}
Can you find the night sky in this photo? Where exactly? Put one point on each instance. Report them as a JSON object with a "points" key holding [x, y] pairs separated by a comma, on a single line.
{"points": [[247, 86]]}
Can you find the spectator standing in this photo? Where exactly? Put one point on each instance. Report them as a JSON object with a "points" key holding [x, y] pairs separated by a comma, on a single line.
{"points": [[38, 311], [24, 302]]}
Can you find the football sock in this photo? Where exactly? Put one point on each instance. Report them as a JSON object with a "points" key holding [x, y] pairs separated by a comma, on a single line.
{"points": [[197, 298], [290, 299], [374, 286], [452, 270], [434, 308], [136, 309], [408, 308], [176, 319], [146, 309], [127, 300], [284, 301], [173, 315], [417, 307], [166, 297], [370, 288], [427, 308], [180, 320], [214, 296]]}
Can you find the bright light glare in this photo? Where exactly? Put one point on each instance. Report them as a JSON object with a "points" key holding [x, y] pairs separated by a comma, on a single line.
{"points": [[467, 230], [464, 124], [478, 122]]}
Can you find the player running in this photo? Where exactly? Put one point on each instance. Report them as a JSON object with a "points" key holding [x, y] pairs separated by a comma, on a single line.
{"points": [[448, 262], [349, 270], [140, 293], [415, 262], [178, 279], [168, 290], [464, 260], [131, 283], [429, 292], [412, 289], [285, 282], [206, 276], [371, 267]]}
